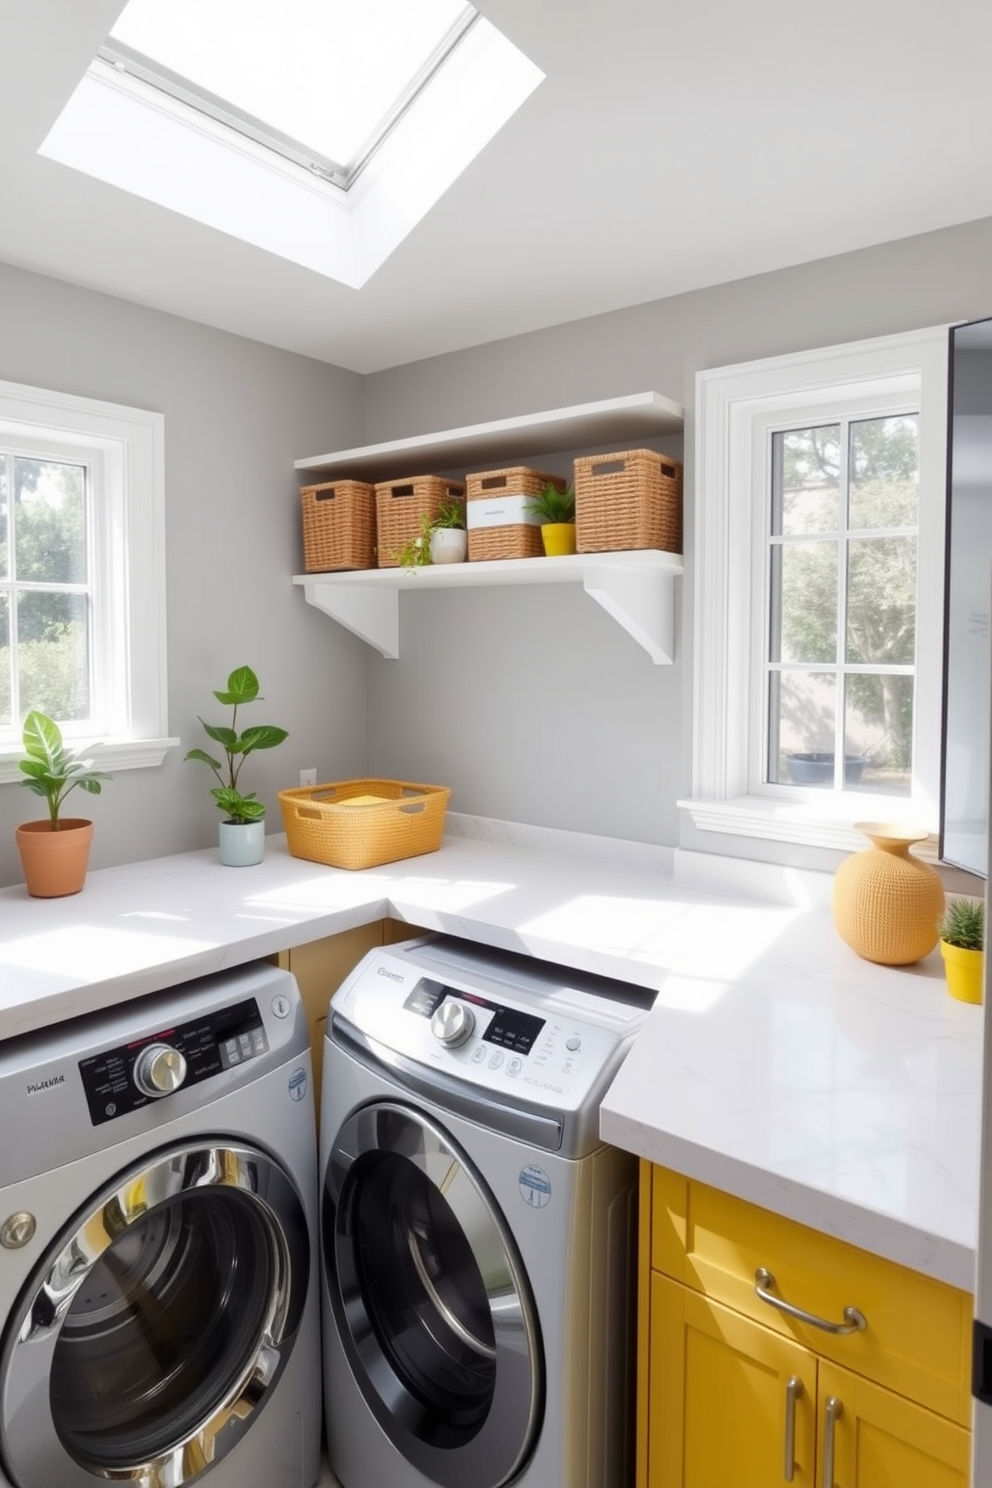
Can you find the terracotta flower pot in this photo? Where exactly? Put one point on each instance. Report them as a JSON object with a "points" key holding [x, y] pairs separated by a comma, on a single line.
{"points": [[54, 863]]}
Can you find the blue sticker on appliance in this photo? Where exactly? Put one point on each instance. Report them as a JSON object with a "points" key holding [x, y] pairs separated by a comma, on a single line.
{"points": [[535, 1186], [297, 1084]]}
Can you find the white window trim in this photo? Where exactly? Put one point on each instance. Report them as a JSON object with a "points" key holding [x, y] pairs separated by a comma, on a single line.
{"points": [[733, 405], [132, 441]]}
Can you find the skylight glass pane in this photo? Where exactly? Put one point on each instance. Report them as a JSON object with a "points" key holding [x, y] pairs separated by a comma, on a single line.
{"points": [[327, 73]]}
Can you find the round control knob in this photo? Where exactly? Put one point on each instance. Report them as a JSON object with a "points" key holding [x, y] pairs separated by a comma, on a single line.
{"points": [[159, 1070], [452, 1023]]}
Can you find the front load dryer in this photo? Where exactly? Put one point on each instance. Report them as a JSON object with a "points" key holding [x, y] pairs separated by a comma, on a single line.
{"points": [[476, 1234], [158, 1244]]}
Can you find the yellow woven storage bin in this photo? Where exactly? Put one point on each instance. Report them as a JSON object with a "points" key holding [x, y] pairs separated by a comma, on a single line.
{"points": [[399, 506], [629, 500], [338, 526], [493, 499], [362, 823]]}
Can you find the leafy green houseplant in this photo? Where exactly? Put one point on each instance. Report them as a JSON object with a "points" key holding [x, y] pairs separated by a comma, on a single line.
{"points": [[553, 505], [962, 946], [448, 537], [416, 551], [51, 770], [450, 514], [55, 851], [240, 809], [422, 549]]}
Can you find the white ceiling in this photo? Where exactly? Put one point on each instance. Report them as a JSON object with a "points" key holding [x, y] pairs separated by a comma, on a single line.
{"points": [[671, 146]]}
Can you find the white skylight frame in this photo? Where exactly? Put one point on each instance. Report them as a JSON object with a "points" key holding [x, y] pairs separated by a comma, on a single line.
{"points": [[341, 168], [136, 137]]}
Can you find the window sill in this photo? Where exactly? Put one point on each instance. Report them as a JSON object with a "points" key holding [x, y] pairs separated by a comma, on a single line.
{"points": [[113, 755], [807, 823]]}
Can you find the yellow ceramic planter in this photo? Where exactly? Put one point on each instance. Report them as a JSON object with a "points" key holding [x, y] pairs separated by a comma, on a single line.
{"points": [[965, 972], [558, 538]]}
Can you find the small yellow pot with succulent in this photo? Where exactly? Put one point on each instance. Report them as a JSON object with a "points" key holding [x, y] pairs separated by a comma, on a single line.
{"points": [[962, 945], [555, 510]]}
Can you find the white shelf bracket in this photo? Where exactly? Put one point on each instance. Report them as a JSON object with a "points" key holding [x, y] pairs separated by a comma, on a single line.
{"points": [[639, 600], [371, 614]]}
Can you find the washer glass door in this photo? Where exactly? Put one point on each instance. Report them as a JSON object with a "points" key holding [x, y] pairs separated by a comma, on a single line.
{"points": [[157, 1323], [430, 1299]]}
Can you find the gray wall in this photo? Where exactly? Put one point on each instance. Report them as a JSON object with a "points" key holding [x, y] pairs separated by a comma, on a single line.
{"points": [[237, 414], [530, 702]]}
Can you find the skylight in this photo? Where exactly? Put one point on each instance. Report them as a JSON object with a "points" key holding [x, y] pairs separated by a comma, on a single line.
{"points": [[346, 68], [319, 130]]}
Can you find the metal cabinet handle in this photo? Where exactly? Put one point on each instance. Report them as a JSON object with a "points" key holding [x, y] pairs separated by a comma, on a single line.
{"points": [[793, 1391], [834, 1411], [854, 1320]]}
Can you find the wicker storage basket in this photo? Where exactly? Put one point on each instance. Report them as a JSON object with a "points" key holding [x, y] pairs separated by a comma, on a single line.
{"points": [[629, 500], [399, 506], [498, 525], [338, 526], [362, 823]]}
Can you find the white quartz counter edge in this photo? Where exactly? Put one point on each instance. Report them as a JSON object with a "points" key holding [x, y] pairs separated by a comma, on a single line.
{"points": [[775, 1064], [797, 1076]]}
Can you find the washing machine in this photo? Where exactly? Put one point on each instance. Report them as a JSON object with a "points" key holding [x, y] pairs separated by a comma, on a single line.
{"points": [[477, 1236], [158, 1244]]}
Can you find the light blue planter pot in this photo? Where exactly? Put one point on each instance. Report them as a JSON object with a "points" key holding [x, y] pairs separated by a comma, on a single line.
{"points": [[242, 843]]}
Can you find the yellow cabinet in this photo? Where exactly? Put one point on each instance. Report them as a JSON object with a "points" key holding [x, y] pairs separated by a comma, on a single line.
{"points": [[736, 1390], [881, 1440], [726, 1398]]}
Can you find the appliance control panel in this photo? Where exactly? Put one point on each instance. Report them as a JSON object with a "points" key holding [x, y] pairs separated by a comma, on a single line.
{"points": [[545, 1049], [120, 1080]]}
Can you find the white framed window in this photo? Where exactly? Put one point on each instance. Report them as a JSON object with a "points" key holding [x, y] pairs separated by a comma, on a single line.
{"points": [[82, 575], [818, 604]]}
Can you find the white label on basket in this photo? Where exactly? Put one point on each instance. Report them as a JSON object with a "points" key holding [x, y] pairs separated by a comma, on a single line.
{"points": [[500, 511]]}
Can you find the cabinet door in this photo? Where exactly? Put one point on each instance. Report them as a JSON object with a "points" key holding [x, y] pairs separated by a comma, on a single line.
{"points": [[320, 967], [918, 1339], [729, 1402], [881, 1440]]}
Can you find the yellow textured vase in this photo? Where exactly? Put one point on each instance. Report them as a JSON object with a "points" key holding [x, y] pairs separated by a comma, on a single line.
{"points": [[888, 904]]}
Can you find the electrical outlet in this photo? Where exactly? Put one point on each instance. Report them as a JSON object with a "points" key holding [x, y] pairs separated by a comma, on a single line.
{"points": [[308, 777]]}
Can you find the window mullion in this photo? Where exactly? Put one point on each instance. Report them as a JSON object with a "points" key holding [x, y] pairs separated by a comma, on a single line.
{"points": [[843, 539], [15, 679], [770, 473]]}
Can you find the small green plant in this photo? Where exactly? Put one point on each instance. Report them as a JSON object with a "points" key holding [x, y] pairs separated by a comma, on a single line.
{"points": [[416, 551], [242, 687], [553, 505], [450, 513], [963, 924], [52, 770]]}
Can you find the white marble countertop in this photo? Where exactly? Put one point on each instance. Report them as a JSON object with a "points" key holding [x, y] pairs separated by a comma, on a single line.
{"points": [[775, 1064]]}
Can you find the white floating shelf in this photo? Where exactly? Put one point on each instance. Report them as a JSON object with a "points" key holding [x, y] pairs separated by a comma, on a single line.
{"points": [[636, 588], [636, 417]]}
